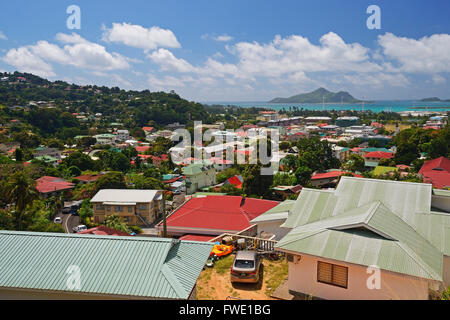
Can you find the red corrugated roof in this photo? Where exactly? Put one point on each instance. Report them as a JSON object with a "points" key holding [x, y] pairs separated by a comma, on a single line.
{"points": [[441, 162], [147, 128], [436, 172], [232, 213], [379, 154], [142, 148], [105, 231], [195, 237], [88, 178], [332, 174], [439, 179], [235, 181], [50, 184]]}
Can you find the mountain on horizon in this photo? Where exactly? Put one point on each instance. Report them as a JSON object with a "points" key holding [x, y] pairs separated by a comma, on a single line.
{"points": [[434, 99], [317, 96]]}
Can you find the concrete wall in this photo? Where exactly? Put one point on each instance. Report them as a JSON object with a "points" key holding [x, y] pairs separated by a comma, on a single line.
{"points": [[303, 279], [440, 202]]}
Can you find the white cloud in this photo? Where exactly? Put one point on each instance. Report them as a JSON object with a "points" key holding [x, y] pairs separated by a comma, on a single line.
{"points": [[2, 36], [78, 52], [169, 62], [140, 37], [438, 79], [376, 80], [297, 54], [223, 38], [166, 83], [426, 55], [26, 61]]}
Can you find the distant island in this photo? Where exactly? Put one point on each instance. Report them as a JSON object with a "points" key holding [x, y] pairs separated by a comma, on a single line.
{"points": [[318, 96], [434, 99]]}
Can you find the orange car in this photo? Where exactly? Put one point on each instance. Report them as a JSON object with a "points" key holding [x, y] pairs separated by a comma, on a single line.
{"points": [[221, 250]]}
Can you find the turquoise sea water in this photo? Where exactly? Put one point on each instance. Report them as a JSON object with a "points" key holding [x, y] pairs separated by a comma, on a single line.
{"points": [[377, 106]]}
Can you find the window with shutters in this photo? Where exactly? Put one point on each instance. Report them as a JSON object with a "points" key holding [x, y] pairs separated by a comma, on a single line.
{"points": [[332, 274]]}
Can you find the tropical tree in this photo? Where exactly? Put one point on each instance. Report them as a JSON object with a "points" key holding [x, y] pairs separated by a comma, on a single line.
{"points": [[21, 190], [114, 222], [254, 182], [111, 180], [355, 163]]}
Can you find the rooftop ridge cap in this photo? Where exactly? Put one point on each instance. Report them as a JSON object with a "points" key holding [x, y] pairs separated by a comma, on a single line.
{"points": [[411, 253]]}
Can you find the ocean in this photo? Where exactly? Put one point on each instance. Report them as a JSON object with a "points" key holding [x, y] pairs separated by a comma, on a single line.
{"points": [[377, 106]]}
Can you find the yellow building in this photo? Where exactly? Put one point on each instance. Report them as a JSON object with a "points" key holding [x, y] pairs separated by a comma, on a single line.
{"points": [[135, 207]]}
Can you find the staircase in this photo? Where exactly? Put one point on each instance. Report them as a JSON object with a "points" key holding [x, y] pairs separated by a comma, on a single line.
{"points": [[144, 221]]}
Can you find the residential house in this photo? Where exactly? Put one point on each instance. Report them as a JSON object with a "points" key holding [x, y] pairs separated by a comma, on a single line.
{"points": [[436, 172], [47, 152], [148, 132], [214, 215], [267, 116], [270, 221], [285, 192], [38, 266], [123, 135], [329, 178], [347, 121], [48, 160], [6, 146], [106, 138], [340, 240], [199, 176], [372, 158], [88, 178], [53, 186], [135, 207], [341, 153]]}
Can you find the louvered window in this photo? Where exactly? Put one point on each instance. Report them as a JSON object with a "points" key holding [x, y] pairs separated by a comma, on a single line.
{"points": [[332, 274]]}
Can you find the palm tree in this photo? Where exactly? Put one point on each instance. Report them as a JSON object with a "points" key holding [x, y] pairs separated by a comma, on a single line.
{"points": [[21, 190]]}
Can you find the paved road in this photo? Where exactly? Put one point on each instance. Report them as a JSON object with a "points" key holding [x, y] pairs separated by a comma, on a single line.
{"points": [[69, 221]]}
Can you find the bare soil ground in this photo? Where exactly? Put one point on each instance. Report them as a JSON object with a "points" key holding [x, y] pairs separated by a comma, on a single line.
{"points": [[214, 283]]}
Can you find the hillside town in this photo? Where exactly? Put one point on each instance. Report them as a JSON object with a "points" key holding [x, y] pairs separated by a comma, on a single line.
{"points": [[347, 190]]}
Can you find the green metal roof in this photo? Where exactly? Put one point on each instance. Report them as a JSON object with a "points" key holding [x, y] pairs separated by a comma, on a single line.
{"points": [[46, 159], [109, 265], [359, 247], [371, 222], [371, 164], [196, 168], [377, 149], [279, 212], [311, 205]]}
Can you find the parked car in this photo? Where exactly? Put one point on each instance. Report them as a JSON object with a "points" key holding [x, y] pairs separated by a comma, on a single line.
{"points": [[66, 210], [57, 220], [74, 212], [79, 228], [246, 267]]}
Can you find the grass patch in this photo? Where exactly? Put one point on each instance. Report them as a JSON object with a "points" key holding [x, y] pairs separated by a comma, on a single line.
{"points": [[224, 264], [276, 272]]}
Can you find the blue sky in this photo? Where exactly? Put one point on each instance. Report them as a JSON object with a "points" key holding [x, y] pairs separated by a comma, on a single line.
{"points": [[234, 50]]}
